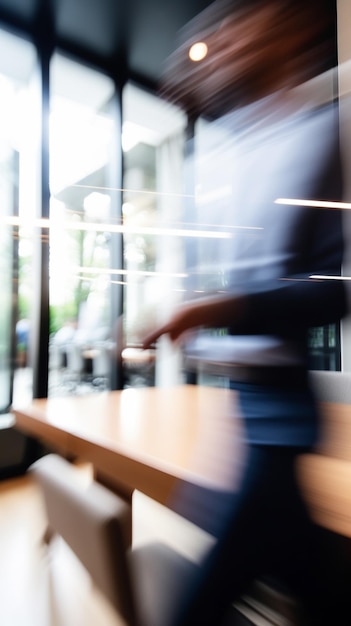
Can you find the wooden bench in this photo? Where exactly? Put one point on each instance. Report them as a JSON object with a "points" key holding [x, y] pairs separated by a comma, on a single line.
{"points": [[326, 476]]}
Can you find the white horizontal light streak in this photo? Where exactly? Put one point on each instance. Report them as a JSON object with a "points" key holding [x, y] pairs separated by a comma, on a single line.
{"points": [[140, 191], [315, 277], [112, 282], [325, 277], [14, 220], [123, 229], [147, 230], [124, 272], [317, 204]]}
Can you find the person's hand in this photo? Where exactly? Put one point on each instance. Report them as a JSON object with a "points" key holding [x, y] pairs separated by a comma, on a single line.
{"points": [[209, 312], [187, 317]]}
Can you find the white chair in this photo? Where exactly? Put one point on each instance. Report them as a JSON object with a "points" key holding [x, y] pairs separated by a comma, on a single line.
{"points": [[143, 584]]}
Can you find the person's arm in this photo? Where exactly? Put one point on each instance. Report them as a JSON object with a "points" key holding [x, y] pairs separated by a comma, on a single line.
{"points": [[292, 306], [289, 305], [209, 312], [279, 307]]}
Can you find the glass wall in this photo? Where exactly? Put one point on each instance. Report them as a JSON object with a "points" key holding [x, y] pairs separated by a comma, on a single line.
{"points": [[153, 143], [19, 142], [82, 145], [8, 176], [87, 225], [132, 239]]}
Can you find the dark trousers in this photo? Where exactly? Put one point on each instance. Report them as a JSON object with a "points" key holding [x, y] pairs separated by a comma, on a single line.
{"points": [[263, 529]]}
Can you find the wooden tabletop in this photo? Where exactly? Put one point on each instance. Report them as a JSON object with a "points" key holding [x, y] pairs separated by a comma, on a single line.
{"points": [[151, 438], [144, 438]]}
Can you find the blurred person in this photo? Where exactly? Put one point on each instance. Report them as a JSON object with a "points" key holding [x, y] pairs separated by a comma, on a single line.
{"points": [[253, 83], [22, 340]]}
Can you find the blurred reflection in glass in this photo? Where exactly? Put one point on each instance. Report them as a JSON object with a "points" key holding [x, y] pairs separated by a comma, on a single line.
{"points": [[272, 134]]}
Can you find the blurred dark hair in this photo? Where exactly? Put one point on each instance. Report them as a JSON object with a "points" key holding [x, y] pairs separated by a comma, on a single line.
{"points": [[185, 83]]}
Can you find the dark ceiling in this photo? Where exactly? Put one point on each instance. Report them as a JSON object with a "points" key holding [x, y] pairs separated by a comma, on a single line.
{"points": [[105, 32]]}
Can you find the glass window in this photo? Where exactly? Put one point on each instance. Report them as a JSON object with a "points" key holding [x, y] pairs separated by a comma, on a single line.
{"points": [[82, 141], [153, 215], [9, 247], [324, 348], [19, 149]]}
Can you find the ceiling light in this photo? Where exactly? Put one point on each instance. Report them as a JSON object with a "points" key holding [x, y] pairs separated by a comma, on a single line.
{"points": [[198, 51], [318, 204]]}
